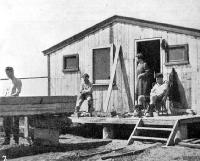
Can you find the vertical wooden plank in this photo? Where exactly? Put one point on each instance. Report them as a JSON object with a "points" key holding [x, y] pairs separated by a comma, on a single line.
{"points": [[49, 74], [131, 59], [26, 127], [117, 41], [193, 55], [123, 61], [163, 57], [198, 77]]}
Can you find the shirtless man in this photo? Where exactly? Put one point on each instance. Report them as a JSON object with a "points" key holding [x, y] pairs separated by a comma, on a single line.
{"points": [[12, 121]]}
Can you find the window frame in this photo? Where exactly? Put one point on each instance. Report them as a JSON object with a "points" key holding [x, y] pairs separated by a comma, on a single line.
{"points": [[177, 62], [71, 69], [107, 81]]}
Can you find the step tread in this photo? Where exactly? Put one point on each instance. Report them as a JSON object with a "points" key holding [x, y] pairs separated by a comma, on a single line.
{"points": [[149, 138], [153, 128]]}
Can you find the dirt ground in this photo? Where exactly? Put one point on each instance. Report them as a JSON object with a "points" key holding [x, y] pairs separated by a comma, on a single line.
{"points": [[157, 153]]}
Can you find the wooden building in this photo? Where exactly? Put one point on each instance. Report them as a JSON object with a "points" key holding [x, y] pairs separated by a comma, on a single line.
{"points": [[92, 51]]}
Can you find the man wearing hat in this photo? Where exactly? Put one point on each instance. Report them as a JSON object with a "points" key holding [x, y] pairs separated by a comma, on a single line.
{"points": [[85, 94], [11, 123], [158, 93]]}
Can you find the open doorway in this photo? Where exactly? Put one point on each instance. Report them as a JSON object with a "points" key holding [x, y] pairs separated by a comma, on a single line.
{"points": [[151, 51]]}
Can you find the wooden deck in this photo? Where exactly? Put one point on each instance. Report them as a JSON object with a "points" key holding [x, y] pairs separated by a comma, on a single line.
{"points": [[160, 120]]}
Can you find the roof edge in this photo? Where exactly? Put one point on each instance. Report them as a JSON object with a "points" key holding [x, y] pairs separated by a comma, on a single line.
{"points": [[79, 35], [128, 20]]}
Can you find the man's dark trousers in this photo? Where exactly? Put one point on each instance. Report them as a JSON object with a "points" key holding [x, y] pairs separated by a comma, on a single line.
{"points": [[11, 125]]}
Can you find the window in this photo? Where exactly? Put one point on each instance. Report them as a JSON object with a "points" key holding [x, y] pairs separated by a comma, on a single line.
{"points": [[70, 63], [177, 54], [102, 60]]}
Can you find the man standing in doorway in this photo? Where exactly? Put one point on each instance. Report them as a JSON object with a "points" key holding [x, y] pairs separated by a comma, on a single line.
{"points": [[11, 123]]}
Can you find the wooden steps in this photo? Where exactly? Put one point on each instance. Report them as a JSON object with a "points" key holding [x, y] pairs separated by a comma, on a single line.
{"points": [[141, 129]]}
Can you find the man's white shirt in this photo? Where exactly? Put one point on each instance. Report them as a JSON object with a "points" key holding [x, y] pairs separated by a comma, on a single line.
{"points": [[159, 89]]}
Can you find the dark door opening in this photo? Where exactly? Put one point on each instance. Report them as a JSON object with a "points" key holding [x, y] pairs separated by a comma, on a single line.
{"points": [[151, 50]]}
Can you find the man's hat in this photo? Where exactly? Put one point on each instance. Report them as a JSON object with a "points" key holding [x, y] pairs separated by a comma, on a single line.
{"points": [[140, 56], [85, 75], [159, 75]]}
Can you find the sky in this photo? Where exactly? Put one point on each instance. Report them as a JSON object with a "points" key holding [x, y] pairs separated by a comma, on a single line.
{"points": [[31, 26]]}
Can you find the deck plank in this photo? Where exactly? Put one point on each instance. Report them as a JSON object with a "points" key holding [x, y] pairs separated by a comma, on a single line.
{"points": [[164, 121]]}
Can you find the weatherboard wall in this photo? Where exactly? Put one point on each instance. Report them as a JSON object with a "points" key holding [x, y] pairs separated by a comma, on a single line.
{"points": [[67, 83]]}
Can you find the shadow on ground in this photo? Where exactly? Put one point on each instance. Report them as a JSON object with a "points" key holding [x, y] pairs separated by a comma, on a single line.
{"points": [[22, 150]]}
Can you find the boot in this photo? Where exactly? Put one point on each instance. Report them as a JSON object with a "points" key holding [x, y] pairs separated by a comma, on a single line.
{"points": [[76, 113], [138, 111], [150, 110]]}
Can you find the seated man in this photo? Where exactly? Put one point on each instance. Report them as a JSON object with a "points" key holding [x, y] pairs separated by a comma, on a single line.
{"points": [[85, 94], [158, 93]]}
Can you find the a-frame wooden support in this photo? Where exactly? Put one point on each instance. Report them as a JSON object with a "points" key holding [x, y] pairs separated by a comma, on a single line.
{"points": [[113, 71]]}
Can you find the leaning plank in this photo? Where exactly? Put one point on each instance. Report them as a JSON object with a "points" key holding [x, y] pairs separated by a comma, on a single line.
{"points": [[170, 140], [189, 145], [36, 100], [189, 140], [196, 141], [132, 152], [130, 140], [112, 79], [101, 152], [36, 109]]}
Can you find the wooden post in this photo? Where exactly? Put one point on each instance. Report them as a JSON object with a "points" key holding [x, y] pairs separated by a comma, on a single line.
{"points": [[49, 75], [108, 132], [26, 127]]}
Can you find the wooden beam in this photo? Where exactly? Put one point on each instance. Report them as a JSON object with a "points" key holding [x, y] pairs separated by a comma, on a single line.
{"points": [[36, 109], [112, 79], [188, 140], [130, 152], [126, 121], [189, 145], [36, 100], [101, 152]]}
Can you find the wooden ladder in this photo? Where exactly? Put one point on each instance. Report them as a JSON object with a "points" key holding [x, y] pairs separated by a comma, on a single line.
{"points": [[140, 127]]}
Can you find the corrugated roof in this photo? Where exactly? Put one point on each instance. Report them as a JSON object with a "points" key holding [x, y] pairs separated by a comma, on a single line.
{"points": [[127, 20]]}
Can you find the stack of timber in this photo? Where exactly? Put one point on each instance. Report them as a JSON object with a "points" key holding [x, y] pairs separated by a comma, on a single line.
{"points": [[191, 143], [24, 106]]}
